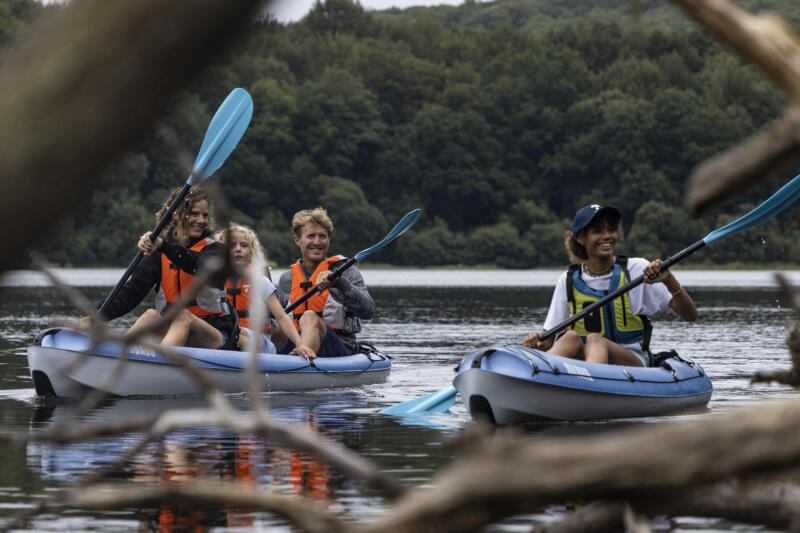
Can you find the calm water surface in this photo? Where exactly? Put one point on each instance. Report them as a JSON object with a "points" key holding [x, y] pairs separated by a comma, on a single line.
{"points": [[427, 320]]}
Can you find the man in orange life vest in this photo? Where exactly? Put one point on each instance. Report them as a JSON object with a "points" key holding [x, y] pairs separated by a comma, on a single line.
{"points": [[329, 320]]}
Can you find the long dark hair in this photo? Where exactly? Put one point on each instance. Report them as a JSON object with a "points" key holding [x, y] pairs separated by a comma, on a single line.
{"points": [[196, 194]]}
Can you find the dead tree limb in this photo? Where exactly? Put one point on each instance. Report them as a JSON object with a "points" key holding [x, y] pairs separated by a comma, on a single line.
{"points": [[771, 45], [774, 504], [789, 377], [306, 514], [511, 476], [595, 517], [91, 94]]}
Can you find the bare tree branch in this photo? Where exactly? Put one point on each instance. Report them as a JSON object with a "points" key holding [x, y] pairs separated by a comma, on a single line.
{"points": [[305, 513], [792, 376], [510, 475], [771, 45], [774, 504], [92, 93]]}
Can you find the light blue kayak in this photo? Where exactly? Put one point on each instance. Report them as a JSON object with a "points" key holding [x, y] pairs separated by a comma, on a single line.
{"points": [[510, 384], [64, 363]]}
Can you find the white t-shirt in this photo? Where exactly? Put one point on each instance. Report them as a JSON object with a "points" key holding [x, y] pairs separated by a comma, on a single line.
{"points": [[269, 288], [645, 299]]}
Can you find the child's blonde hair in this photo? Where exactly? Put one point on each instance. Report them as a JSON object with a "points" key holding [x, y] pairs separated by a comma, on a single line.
{"points": [[258, 255]]}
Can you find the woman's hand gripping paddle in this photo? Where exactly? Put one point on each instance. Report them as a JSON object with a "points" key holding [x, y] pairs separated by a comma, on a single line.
{"points": [[775, 204]]}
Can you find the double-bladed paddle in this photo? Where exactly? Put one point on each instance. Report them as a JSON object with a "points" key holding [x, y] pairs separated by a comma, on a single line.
{"points": [[405, 223], [775, 204], [223, 134]]}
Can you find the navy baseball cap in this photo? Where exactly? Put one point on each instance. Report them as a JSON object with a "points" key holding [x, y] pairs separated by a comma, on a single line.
{"points": [[586, 214]]}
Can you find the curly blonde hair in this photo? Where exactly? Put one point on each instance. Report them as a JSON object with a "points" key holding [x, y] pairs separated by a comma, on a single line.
{"points": [[311, 216], [258, 255]]}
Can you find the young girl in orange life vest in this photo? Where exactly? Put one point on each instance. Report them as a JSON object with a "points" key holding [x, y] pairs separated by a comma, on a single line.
{"points": [[248, 260]]}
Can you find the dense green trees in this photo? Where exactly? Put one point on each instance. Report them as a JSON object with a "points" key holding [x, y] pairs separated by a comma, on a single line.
{"points": [[498, 119]]}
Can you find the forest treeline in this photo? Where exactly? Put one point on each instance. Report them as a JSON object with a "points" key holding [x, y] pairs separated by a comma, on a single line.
{"points": [[498, 119]]}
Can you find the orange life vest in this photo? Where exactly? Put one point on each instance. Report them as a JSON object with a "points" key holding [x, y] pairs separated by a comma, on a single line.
{"points": [[239, 296], [331, 311], [208, 300]]}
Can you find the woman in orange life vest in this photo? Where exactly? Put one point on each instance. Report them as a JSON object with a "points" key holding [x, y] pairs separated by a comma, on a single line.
{"points": [[169, 265], [329, 320], [619, 333], [247, 258]]}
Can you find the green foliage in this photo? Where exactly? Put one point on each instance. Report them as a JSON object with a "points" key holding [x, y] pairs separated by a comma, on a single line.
{"points": [[357, 224], [498, 119], [660, 230], [339, 16], [15, 17], [432, 245], [499, 244], [547, 241], [275, 233]]}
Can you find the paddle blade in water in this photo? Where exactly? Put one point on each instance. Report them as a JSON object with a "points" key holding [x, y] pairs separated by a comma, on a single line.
{"points": [[223, 134], [437, 402]]}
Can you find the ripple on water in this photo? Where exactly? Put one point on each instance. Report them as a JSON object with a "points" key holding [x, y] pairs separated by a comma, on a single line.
{"points": [[427, 331]]}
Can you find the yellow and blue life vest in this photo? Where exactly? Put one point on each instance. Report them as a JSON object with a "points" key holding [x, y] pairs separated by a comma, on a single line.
{"points": [[615, 320]]}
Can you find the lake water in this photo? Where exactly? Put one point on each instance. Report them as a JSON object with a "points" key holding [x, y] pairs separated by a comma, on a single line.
{"points": [[427, 320]]}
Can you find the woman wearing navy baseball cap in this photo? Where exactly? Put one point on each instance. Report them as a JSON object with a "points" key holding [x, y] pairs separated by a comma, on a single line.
{"points": [[619, 332]]}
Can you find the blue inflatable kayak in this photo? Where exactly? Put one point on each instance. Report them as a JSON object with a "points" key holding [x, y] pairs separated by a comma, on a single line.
{"points": [[510, 384], [65, 364]]}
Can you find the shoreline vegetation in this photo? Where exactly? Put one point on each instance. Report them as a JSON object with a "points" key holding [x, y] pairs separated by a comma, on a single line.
{"points": [[685, 265], [497, 119]]}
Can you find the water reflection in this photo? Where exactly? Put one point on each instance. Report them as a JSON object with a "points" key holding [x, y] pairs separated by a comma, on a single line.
{"points": [[426, 330], [181, 457]]}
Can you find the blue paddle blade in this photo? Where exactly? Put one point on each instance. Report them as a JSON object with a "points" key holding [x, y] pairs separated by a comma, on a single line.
{"points": [[436, 402], [401, 227], [777, 203], [223, 134]]}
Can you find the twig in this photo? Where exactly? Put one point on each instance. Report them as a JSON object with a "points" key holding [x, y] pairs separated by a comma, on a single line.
{"points": [[304, 513], [792, 376]]}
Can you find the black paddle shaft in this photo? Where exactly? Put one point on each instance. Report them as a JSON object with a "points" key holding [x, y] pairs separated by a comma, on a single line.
{"points": [[668, 262], [139, 255], [336, 273]]}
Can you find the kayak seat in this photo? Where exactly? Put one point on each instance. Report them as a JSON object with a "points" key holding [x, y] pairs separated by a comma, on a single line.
{"points": [[660, 357]]}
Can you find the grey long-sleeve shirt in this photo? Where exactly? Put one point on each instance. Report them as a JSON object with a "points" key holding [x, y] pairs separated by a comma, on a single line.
{"points": [[350, 290]]}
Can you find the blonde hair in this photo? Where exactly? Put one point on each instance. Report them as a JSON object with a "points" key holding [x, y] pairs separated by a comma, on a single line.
{"points": [[258, 255], [311, 216], [576, 251]]}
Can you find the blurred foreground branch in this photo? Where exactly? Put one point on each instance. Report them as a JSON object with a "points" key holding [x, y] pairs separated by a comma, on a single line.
{"points": [[508, 475], [792, 376], [72, 100], [773, 46]]}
